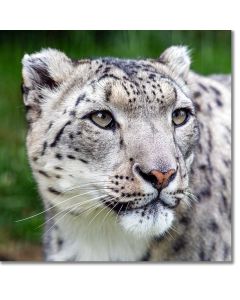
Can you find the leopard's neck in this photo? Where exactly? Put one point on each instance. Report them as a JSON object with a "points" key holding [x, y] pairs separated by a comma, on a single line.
{"points": [[80, 238]]}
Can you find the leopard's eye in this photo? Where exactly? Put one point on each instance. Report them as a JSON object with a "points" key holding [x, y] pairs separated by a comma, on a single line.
{"points": [[103, 119], [180, 116]]}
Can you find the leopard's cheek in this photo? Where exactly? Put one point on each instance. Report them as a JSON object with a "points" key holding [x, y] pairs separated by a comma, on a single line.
{"points": [[102, 151], [97, 148], [187, 139]]}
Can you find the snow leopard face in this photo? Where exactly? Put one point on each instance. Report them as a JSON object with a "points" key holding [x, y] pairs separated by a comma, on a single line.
{"points": [[112, 138]]}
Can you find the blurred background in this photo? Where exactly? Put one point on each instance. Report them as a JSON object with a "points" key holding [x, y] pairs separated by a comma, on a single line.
{"points": [[211, 53]]}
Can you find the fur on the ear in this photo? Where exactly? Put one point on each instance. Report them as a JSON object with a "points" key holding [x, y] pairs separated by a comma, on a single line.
{"points": [[46, 68], [177, 58], [42, 71]]}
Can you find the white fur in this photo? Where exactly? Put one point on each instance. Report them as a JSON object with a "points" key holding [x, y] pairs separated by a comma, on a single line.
{"points": [[101, 240], [178, 60]]}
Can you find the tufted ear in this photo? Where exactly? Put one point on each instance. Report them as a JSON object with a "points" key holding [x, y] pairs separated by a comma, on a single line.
{"points": [[44, 70], [177, 58]]}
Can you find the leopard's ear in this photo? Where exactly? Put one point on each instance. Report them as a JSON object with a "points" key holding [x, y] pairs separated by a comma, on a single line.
{"points": [[177, 58], [44, 70]]}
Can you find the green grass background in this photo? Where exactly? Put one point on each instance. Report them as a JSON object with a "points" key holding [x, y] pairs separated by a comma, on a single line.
{"points": [[211, 53]]}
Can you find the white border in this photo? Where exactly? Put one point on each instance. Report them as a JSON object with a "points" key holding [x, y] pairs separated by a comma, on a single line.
{"points": [[119, 281], [124, 14], [123, 281]]}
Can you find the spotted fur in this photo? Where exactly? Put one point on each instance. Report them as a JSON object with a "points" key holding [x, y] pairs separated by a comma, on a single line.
{"points": [[101, 203]]}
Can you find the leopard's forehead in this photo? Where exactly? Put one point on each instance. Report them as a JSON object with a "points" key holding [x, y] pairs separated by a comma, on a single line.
{"points": [[131, 85]]}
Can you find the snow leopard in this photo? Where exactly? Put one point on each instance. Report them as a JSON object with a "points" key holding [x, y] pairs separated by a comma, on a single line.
{"points": [[132, 157]]}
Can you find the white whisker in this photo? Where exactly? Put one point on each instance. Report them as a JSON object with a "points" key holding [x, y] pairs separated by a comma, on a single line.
{"points": [[42, 212], [118, 214], [76, 205], [104, 207], [174, 229], [108, 212], [59, 219]]}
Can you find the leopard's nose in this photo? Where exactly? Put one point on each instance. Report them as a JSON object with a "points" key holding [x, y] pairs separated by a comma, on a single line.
{"points": [[161, 179], [158, 179]]}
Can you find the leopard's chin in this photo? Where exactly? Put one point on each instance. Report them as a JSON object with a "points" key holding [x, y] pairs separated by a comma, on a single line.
{"points": [[149, 221]]}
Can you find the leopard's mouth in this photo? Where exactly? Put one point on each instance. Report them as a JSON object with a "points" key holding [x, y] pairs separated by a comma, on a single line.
{"points": [[126, 207]]}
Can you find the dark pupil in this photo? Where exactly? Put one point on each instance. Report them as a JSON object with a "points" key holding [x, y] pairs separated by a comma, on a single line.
{"points": [[179, 113]]}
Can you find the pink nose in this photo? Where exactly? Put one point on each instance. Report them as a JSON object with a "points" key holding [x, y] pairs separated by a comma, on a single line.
{"points": [[162, 179]]}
